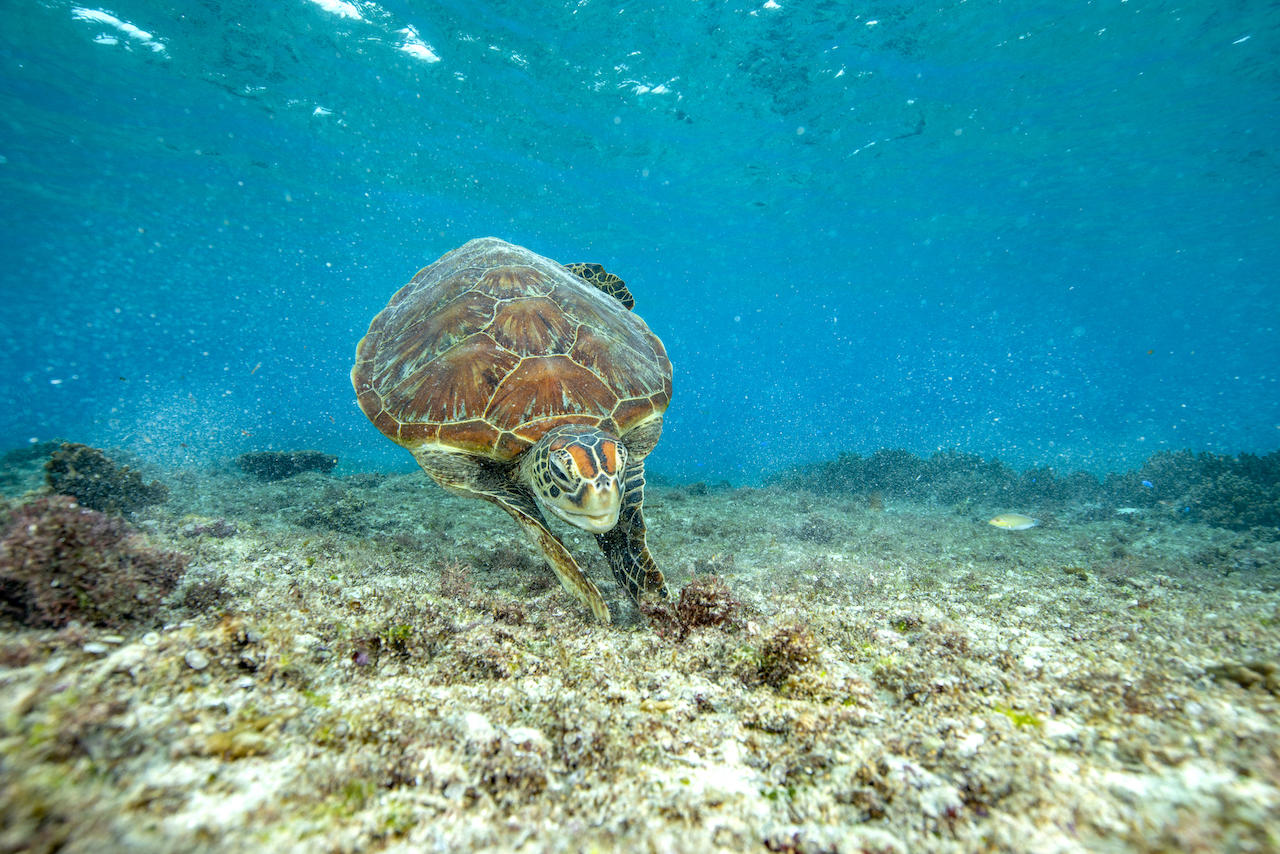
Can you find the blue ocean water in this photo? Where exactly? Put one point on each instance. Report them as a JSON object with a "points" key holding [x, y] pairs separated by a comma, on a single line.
{"points": [[1046, 232]]}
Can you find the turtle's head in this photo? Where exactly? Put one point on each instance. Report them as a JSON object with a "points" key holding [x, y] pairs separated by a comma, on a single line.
{"points": [[576, 472]]}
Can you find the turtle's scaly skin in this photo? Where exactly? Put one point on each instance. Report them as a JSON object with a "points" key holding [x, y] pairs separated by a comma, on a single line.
{"points": [[492, 348]]}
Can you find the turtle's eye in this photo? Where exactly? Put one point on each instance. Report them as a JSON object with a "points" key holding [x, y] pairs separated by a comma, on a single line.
{"points": [[558, 469]]}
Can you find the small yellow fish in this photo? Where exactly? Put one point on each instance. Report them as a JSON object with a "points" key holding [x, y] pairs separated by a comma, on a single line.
{"points": [[1013, 522]]}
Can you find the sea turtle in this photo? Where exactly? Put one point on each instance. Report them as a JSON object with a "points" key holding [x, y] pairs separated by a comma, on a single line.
{"points": [[529, 384]]}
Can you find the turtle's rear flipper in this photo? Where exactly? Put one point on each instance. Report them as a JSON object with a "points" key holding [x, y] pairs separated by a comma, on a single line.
{"points": [[624, 545], [607, 282]]}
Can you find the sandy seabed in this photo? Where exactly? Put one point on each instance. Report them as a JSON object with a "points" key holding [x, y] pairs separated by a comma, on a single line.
{"points": [[365, 663]]}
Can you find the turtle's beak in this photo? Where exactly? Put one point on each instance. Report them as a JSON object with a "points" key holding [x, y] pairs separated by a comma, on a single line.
{"points": [[596, 511]]}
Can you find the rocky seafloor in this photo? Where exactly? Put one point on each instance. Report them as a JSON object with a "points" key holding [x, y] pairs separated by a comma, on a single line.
{"points": [[362, 662]]}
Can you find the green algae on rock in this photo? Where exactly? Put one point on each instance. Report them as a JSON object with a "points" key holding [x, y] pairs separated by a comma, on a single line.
{"points": [[278, 465], [97, 482]]}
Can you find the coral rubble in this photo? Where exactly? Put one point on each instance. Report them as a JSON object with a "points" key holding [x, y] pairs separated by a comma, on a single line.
{"points": [[883, 679]]}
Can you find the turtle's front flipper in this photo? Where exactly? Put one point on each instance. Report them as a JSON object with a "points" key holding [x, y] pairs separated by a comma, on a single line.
{"points": [[463, 476], [624, 545], [566, 568]]}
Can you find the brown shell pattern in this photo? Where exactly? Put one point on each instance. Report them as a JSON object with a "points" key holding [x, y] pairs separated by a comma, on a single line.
{"points": [[491, 346]]}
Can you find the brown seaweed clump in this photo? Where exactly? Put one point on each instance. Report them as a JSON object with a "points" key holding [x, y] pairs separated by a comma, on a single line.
{"points": [[786, 652], [96, 482], [704, 602], [277, 465], [61, 562]]}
